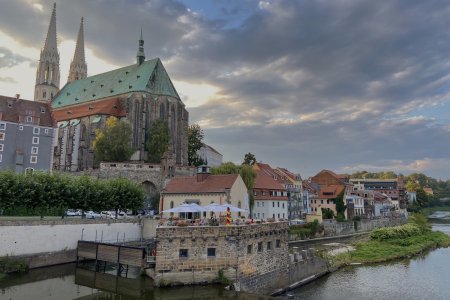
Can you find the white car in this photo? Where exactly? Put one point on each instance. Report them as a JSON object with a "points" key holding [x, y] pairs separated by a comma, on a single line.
{"points": [[92, 215], [107, 215], [73, 212]]}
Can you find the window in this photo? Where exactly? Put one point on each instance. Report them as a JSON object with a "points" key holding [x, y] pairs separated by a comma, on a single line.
{"points": [[259, 246], [1, 157], [46, 131], [21, 127], [42, 110], [2, 136], [44, 94], [263, 215], [321, 201], [1, 147], [257, 204], [249, 249], [33, 159], [36, 130], [283, 205], [278, 203], [34, 150], [269, 245], [35, 140], [277, 243], [273, 204], [2, 126], [183, 253], [262, 204], [29, 119], [211, 252]]}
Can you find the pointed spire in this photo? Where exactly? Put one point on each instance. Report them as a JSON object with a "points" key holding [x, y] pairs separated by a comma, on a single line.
{"points": [[78, 67], [50, 41], [47, 75], [140, 54]]}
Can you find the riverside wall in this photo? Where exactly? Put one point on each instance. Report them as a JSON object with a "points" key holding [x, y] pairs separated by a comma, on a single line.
{"points": [[49, 242], [333, 228]]}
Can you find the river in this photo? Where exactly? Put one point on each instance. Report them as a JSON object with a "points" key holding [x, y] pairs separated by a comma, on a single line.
{"points": [[424, 277]]}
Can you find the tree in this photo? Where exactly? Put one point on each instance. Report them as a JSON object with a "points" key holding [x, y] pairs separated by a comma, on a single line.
{"points": [[340, 206], [113, 143], [195, 142], [327, 213], [158, 141], [412, 185], [249, 159], [422, 197]]}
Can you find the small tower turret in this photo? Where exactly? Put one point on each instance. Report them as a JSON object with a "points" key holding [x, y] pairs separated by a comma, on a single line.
{"points": [[140, 54]]}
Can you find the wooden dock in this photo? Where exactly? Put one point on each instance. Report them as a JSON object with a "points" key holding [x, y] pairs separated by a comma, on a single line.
{"points": [[123, 256]]}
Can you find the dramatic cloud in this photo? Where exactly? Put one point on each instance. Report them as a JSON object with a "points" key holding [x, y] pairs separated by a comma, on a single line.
{"points": [[9, 59], [344, 85]]}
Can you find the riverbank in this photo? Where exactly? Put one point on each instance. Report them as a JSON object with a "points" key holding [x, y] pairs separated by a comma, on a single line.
{"points": [[388, 244]]}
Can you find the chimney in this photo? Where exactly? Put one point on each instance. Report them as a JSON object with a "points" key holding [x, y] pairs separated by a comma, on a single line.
{"points": [[17, 97], [202, 173]]}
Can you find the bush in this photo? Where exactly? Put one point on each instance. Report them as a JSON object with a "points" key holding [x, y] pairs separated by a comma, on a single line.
{"points": [[396, 232]]}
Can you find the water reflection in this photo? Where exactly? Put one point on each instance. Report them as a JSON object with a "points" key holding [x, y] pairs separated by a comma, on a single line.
{"points": [[423, 277], [69, 282]]}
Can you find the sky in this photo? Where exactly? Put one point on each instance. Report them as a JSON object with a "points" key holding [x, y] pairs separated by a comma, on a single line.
{"points": [[345, 85]]}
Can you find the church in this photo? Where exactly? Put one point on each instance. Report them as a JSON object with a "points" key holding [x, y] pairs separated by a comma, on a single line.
{"points": [[138, 94]]}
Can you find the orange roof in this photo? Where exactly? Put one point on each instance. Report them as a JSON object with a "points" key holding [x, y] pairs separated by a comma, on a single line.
{"points": [[190, 185], [265, 181], [330, 191]]}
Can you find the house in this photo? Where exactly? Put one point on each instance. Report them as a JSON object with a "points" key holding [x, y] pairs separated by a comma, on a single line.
{"points": [[292, 184], [271, 197], [26, 135], [355, 206], [393, 188], [309, 195], [203, 189], [330, 185]]}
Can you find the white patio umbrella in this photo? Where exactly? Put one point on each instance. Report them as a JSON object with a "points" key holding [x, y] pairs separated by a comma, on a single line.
{"points": [[185, 207]]}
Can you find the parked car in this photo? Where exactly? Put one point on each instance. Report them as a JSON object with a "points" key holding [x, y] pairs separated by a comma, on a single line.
{"points": [[107, 215], [73, 212], [92, 215]]}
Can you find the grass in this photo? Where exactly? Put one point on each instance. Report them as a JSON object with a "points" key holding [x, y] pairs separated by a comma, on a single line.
{"points": [[2, 275], [374, 251]]}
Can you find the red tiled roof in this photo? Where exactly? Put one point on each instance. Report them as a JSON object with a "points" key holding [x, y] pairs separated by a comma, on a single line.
{"points": [[16, 110], [108, 106], [190, 185], [335, 189], [265, 181]]}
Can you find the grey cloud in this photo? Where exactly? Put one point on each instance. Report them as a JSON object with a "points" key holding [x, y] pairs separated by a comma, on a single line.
{"points": [[9, 59]]}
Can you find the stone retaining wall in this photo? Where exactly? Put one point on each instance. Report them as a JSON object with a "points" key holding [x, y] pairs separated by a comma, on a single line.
{"points": [[333, 228]]}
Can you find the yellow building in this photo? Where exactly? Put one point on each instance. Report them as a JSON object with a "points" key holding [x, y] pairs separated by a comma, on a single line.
{"points": [[204, 189]]}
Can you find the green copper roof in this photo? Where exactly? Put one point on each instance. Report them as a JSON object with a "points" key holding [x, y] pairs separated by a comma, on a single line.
{"points": [[150, 77]]}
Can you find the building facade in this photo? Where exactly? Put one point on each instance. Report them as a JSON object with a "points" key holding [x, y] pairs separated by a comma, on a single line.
{"points": [[204, 189], [26, 135]]}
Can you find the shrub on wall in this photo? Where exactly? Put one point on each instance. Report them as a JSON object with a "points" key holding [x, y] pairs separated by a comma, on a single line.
{"points": [[43, 193]]}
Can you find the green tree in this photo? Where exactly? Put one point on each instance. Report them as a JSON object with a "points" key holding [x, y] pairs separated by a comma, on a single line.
{"points": [[113, 143], [340, 206], [195, 142], [412, 185], [422, 197], [158, 141], [327, 213], [249, 159]]}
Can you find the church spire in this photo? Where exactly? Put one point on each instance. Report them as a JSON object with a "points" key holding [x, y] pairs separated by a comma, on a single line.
{"points": [[140, 54], [47, 75], [78, 66]]}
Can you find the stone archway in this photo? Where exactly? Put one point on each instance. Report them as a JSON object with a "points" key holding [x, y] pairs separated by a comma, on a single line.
{"points": [[150, 191]]}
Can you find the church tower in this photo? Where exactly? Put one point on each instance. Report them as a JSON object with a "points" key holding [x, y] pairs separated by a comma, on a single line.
{"points": [[47, 75], [78, 66]]}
